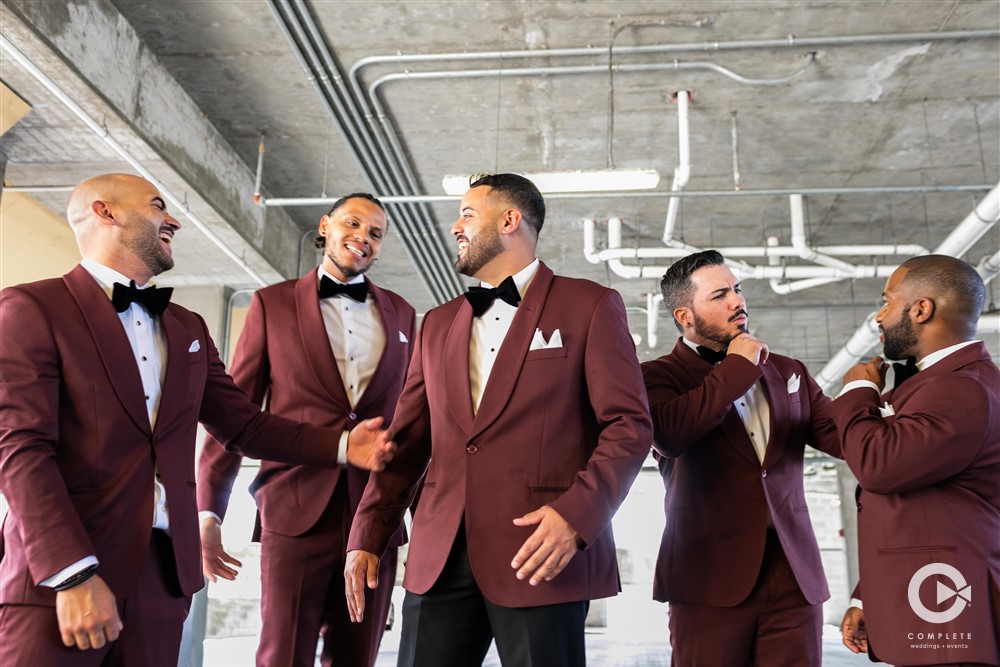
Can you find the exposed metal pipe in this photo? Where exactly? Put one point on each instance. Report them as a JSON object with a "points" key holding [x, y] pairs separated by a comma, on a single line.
{"points": [[682, 173], [989, 267], [597, 51], [38, 189], [657, 194], [175, 202]]}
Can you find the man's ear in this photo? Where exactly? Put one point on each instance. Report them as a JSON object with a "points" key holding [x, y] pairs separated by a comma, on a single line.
{"points": [[683, 316], [323, 222], [102, 210], [922, 310], [511, 221]]}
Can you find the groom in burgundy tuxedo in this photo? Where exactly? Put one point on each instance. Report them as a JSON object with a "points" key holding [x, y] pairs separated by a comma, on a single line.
{"points": [[524, 413], [102, 385], [927, 459], [739, 563]]}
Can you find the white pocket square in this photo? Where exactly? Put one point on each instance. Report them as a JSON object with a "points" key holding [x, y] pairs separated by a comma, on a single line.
{"points": [[195, 346], [886, 410], [793, 383], [402, 338], [538, 341]]}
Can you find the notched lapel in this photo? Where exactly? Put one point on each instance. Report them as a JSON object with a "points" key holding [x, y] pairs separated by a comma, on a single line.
{"points": [[312, 329], [111, 342], [515, 346]]}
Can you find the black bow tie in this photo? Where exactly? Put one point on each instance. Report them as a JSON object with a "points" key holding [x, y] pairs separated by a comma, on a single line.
{"points": [[904, 371], [155, 299], [711, 356], [481, 298], [356, 291]]}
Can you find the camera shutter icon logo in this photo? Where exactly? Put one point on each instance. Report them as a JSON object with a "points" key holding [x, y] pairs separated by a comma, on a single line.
{"points": [[959, 590]]}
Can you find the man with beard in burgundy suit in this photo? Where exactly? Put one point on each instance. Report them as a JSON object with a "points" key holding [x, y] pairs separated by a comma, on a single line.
{"points": [[738, 563], [331, 348], [102, 385], [525, 408], [927, 459]]}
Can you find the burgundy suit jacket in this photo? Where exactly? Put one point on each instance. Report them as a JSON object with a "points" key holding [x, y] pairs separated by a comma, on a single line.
{"points": [[563, 426], [717, 491], [285, 364], [77, 453], [930, 493]]}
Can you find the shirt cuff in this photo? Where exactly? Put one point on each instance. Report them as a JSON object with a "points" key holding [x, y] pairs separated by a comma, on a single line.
{"points": [[204, 514], [342, 448], [855, 602], [64, 574], [857, 384]]}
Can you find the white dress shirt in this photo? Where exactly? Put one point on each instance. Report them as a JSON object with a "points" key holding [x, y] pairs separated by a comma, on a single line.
{"points": [[357, 339], [488, 333], [149, 346]]}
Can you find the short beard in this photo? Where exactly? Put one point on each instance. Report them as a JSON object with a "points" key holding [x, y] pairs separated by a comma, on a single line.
{"points": [[480, 252], [900, 337], [714, 333], [347, 271], [145, 243]]}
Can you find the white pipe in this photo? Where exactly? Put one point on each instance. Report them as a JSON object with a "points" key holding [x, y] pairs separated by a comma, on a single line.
{"points": [[859, 345], [653, 302], [682, 173], [588, 242], [989, 267], [799, 242], [978, 222], [749, 251], [989, 323], [175, 201]]}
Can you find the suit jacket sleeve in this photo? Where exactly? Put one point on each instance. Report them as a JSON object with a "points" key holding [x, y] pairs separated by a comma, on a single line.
{"points": [[618, 401], [683, 415], [251, 368], [823, 431], [30, 479], [934, 436], [390, 492]]}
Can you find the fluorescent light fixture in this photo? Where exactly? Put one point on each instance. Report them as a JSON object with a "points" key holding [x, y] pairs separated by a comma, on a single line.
{"points": [[600, 180]]}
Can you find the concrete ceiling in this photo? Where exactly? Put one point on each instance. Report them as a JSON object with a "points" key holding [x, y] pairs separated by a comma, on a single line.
{"points": [[188, 86]]}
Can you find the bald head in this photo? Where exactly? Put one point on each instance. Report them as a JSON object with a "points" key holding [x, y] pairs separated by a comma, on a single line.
{"points": [[122, 222], [954, 286]]}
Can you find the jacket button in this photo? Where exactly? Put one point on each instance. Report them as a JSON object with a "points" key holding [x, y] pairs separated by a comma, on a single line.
{"points": [[352, 416], [472, 449], [764, 473]]}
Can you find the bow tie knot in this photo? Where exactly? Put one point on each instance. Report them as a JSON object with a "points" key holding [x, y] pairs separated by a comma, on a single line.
{"points": [[904, 371], [356, 291], [481, 298], [711, 356], [155, 299]]}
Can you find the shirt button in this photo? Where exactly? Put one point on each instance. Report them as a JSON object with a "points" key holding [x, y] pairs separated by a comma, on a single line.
{"points": [[493, 349], [472, 449], [144, 358], [147, 398], [764, 473], [351, 358]]}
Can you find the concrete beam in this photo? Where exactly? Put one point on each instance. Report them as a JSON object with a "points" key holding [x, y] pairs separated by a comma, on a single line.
{"points": [[95, 56]]}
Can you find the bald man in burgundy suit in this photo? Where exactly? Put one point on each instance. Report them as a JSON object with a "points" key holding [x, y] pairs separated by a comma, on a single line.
{"points": [[102, 386], [525, 408], [927, 459], [739, 563]]}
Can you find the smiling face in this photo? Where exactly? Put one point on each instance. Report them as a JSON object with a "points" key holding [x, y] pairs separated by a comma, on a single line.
{"points": [[147, 230], [718, 312], [477, 232], [353, 237]]}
